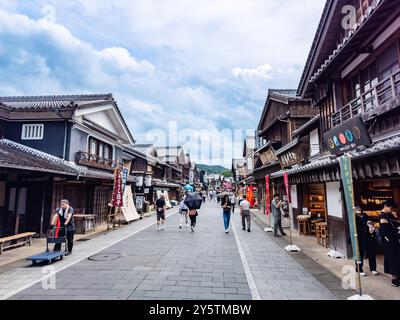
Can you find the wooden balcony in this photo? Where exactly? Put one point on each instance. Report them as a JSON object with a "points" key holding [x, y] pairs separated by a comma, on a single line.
{"points": [[91, 160], [370, 100]]}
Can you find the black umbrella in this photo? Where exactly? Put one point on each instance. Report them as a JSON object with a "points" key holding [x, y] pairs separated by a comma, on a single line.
{"points": [[193, 200]]}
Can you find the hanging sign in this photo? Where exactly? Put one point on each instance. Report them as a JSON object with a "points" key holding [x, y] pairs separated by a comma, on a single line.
{"points": [[267, 197], [124, 179], [117, 192], [346, 137], [286, 181], [347, 180]]}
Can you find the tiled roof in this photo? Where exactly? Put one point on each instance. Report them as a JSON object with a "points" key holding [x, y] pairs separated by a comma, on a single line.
{"points": [[59, 103], [51, 103], [169, 151], [143, 148], [346, 40], [13, 155], [251, 142], [284, 92], [306, 125]]}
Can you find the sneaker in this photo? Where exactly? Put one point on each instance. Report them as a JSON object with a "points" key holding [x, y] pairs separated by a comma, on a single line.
{"points": [[226, 231], [375, 273], [248, 230], [180, 227], [363, 274], [277, 236], [68, 254], [192, 229]]}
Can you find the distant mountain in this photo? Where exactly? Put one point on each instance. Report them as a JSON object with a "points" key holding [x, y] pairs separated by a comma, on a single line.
{"points": [[212, 169]]}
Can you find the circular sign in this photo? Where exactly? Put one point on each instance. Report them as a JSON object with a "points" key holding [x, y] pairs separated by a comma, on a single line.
{"points": [[336, 141], [331, 144], [342, 138], [349, 136], [357, 133]]}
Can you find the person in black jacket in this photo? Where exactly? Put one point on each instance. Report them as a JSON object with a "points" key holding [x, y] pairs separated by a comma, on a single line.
{"points": [[389, 232], [366, 241]]}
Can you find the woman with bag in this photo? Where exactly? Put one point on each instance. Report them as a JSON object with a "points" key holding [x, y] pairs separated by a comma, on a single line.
{"points": [[389, 232], [193, 217]]}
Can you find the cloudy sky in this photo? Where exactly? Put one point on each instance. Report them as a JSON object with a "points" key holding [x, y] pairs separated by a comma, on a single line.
{"points": [[205, 64]]}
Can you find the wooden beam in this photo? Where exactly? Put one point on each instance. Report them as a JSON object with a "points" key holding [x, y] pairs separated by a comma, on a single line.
{"points": [[368, 170], [398, 165]]}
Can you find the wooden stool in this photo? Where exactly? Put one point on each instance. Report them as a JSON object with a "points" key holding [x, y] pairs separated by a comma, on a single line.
{"points": [[324, 234], [304, 225], [314, 223]]}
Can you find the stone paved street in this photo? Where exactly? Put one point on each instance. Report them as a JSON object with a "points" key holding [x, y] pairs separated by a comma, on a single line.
{"points": [[179, 264]]}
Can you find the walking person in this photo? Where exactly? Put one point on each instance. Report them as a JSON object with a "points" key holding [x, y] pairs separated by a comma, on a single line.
{"points": [[245, 213], [389, 232], [226, 206], [277, 214], [193, 214], [161, 208], [65, 215], [366, 241], [183, 211], [204, 195], [233, 202]]}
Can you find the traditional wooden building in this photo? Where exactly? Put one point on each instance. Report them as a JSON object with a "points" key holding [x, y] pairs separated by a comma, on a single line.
{"points": [[284, 112], [352, 75], [64, 147]]}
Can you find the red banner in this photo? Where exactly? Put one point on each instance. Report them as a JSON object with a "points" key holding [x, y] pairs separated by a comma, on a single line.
{"points": [[286, 181], [117, 192], [267, 198], [250, 196]]}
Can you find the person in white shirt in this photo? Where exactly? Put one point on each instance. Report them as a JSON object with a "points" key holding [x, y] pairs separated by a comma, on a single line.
{"points": [[184, 211], [245, 213], [233, 202]]}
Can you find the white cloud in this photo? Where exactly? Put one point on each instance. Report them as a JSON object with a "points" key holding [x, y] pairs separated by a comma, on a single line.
{"points": [[260, 72], [206, 64]]}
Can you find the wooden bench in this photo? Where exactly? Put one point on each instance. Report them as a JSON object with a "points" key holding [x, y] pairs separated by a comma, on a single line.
{"points": [[16, 241]]}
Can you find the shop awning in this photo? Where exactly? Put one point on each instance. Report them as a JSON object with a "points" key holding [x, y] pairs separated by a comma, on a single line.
{"points": [[380, 146], [165, 184]]}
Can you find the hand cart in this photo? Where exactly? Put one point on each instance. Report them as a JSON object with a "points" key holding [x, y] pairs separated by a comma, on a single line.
{"points": [[53, 236]]}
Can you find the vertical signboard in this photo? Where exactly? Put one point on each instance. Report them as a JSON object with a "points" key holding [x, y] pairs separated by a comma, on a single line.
{"points": [[347, 180], [117, 192], [267, 198]]}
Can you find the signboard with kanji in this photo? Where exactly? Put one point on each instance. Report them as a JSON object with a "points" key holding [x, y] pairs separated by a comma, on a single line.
{"points": [[117, 192]]}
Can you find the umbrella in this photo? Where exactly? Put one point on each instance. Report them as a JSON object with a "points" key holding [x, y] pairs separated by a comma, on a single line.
{"points": [[188, 187], [193, 201], [223, 194]]}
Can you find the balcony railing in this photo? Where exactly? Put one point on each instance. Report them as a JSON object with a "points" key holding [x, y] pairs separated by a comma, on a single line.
{"points": [[92, 160], [384, 91]]}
